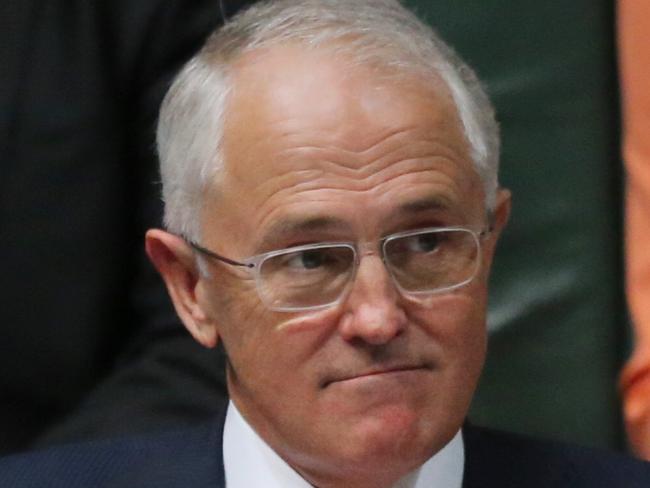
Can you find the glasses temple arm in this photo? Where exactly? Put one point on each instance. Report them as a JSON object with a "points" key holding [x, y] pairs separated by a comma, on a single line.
{"points": [[214, 255]]}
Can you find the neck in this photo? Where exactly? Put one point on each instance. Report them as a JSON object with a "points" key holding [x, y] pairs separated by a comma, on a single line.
{"points": [[357, 480]]}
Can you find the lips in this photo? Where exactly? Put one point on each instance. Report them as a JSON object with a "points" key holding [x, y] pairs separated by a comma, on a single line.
{"points": [[374, 371]]}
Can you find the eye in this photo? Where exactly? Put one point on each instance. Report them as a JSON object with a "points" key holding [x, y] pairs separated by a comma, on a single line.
{"points": [[311, 259], [318, 262], [423, 243]]}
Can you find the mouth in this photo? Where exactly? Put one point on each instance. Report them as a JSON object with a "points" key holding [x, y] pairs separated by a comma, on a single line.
{"points": [[378, 372]]}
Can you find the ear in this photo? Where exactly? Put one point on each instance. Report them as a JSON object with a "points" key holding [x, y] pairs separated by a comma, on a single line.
{"points": [[174, 259], [499, 219], [501, 211]]}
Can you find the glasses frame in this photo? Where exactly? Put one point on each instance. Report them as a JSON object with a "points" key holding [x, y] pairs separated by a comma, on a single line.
{"points": [[254, 263]]}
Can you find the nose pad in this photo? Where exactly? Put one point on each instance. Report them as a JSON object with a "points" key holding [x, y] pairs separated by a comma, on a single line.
{"points": [[373, 312]]}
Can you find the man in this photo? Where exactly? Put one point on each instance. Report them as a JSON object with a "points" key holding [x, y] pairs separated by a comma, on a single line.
{"points": [[330, 182]]}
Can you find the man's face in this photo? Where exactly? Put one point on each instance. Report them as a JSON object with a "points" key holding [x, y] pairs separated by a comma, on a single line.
{"points": [[317, 150]]}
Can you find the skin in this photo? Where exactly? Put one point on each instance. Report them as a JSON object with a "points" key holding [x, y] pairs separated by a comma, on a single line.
{"points": [[316, 149]]}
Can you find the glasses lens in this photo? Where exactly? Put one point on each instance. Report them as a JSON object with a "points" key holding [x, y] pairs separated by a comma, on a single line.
{"points": [[433, 260], [307, 277]]}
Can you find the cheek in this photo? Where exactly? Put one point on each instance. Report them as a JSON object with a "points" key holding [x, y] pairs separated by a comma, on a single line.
{"points": [[264, 347], [456, 324], [236, 312]]}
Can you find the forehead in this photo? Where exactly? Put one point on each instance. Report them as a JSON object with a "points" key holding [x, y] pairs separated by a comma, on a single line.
{"points": [[321, 89], [303, 121]]}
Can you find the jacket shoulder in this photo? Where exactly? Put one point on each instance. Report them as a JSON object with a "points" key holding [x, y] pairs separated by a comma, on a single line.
{"points": [[190, 457], [494, 458]]}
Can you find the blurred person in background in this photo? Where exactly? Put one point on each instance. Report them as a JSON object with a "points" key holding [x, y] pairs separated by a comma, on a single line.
{"points": [[634, 48], [90, 344]]}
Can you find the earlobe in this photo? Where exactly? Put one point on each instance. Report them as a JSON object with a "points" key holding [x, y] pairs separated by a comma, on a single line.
{"points": [[174, 260]]}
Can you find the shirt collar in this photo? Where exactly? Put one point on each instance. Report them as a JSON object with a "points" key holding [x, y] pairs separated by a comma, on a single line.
{"points": [[249, 461]]}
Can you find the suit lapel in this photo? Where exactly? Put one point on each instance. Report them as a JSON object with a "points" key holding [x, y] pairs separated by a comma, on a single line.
{"points": [[499, 460]]}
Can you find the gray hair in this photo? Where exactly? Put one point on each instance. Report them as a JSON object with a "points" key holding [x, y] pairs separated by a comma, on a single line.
{"points": [[374, 32]]}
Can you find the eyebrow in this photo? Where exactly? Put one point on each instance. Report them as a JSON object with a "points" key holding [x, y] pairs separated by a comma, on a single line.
{"points": [[325, 223], [298, 225], [425, 204]]}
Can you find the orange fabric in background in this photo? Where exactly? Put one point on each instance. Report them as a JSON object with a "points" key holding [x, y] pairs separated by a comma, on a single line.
{"points": [[634, 52]]}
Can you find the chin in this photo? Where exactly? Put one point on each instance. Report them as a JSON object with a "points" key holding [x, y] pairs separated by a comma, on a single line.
{"points": [[377, 462], [387, 438], [377, 448]]}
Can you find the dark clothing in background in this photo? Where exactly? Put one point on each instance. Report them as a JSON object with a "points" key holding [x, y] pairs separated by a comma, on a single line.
{"points": [[80, 86]]}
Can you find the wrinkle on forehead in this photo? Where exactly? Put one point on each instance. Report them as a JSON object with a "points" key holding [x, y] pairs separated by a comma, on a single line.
{"points": [[413, 157], [406, 172], [401, 144], [315, 161]]}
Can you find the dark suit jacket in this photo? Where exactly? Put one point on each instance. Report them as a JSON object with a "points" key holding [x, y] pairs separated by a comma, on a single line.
{"points": [[193, 458], [80, 86]]}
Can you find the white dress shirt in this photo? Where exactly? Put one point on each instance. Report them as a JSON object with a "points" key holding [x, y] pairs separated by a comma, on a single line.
{"points": [[250, 462]]}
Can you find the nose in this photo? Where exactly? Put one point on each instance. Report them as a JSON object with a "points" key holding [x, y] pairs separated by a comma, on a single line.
{"points": [[372, 310]]}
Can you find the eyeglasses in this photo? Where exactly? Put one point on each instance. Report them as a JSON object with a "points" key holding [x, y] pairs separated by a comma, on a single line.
{"points": [[314, 276]]}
